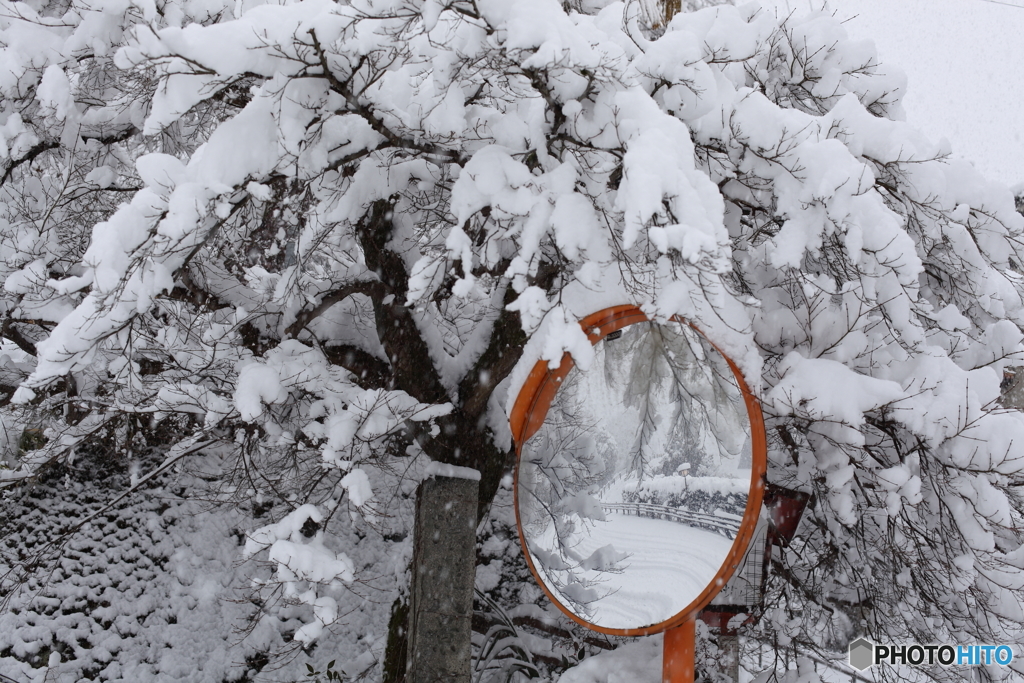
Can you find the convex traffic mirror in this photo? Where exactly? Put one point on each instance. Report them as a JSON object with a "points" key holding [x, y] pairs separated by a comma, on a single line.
{"points": [[639, 479]]}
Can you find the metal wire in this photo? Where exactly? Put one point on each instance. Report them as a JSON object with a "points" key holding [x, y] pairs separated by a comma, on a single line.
{"points": [[1001, 2]]}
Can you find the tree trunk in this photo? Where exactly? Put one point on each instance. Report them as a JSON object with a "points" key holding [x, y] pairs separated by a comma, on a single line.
{"points": [[431, 634]]}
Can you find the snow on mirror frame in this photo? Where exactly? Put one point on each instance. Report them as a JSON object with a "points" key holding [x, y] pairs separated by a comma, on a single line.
{"points": [[660, 441]]}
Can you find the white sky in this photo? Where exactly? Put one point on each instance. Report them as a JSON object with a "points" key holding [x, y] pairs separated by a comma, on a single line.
{"points": [[964, 61]]}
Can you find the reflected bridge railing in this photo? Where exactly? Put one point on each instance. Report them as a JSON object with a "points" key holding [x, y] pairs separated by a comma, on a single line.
{"points": [[723, 523]]}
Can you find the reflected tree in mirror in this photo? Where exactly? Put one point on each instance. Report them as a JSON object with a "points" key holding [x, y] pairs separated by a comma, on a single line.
{"points": [[632, 492]]}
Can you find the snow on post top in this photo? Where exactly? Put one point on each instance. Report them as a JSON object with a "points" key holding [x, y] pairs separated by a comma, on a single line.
{"points": [[440, 469]]}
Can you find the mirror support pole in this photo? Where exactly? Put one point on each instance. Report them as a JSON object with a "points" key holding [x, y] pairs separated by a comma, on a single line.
{"points": [[678, 653]]}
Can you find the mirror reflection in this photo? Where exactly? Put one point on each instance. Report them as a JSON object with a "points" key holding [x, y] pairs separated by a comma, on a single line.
{"points": [[633, 490]]}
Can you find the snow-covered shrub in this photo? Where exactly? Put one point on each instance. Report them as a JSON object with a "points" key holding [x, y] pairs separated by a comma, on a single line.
{"points": [[700, 494], [151, 587], [517, 630], [145, 580]]}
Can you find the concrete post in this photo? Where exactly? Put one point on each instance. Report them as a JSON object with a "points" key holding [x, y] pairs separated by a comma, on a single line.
{"points": [[729, 657], [443, 570], [1012, 389]]}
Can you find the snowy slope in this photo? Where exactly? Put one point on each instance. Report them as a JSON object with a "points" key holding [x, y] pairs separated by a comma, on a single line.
{"points": [[962, 60]]}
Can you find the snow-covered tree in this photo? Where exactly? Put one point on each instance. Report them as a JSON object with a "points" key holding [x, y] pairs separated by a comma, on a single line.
{"points": [[332, 238]]}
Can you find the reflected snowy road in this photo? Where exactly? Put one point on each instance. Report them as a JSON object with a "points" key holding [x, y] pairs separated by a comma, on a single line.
{"points": [[669, 564]]}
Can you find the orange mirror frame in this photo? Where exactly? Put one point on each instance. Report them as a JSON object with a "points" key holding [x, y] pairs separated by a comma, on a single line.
{"points": [[531, 408]]}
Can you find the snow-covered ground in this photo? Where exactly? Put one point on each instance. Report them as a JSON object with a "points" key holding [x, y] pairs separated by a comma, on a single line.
{"points": [[638, 662], [668, 564]]}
